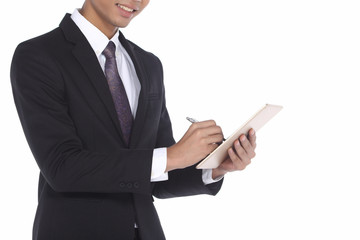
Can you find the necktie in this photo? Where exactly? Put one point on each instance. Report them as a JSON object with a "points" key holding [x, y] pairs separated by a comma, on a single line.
{"points": [[118, 92]]}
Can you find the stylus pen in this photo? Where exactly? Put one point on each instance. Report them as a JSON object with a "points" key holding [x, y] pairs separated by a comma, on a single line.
{"points": [[193, 120]]}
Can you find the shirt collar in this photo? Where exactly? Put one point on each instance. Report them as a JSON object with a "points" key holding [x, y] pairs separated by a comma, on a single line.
{"points": [[98, 41]]}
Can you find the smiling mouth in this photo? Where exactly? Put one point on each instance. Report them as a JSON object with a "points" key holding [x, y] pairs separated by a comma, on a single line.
{"points": [[127, 9]]}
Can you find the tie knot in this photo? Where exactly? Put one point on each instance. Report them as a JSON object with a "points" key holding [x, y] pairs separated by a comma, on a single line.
{"points": [[109, 51]]}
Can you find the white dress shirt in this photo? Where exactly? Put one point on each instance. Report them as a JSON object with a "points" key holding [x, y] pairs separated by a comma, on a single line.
{"points": [[98, 42]]}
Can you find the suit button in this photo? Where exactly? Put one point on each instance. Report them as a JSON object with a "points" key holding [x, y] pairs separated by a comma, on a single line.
{"points": [[129, 185], [136, 185], [122, 185]]}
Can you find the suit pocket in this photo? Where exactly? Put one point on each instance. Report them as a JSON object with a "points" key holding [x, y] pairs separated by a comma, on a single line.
{"points": [[152, 96]]}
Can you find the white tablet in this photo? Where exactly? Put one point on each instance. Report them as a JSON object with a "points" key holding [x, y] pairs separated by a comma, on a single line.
{"points": [[214, 159]]}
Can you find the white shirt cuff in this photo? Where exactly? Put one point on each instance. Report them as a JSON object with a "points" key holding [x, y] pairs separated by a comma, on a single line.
{"points": [[207, 177], [159, 162]]}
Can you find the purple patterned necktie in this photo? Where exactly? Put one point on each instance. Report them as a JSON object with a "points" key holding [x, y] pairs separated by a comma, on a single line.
{"points": [[118, 92]]}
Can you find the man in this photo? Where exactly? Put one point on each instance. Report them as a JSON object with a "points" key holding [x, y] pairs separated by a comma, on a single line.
{"points": [[92, 106]]}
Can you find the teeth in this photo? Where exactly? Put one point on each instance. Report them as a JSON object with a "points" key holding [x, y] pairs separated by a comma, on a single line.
{"points": [[125, 8]]}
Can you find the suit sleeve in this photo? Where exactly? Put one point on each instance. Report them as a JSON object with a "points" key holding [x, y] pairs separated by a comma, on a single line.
{"points": [[40, 98]]}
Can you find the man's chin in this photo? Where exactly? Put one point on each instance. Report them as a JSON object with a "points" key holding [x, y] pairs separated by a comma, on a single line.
{"points": [[122, 24]]}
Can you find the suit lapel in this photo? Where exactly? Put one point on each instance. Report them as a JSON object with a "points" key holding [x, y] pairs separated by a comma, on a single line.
{"points": [[143, 103], [88, 60]]}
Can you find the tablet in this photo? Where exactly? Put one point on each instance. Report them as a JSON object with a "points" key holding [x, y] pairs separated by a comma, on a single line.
{"points": [[215, 158]]}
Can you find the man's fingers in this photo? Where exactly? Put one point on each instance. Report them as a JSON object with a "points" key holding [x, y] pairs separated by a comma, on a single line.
{"points": [[217, 138], [205, 132], [211, 147], [239, 165], [247, 146], [252, 138], [203, 124], [241, 151]]}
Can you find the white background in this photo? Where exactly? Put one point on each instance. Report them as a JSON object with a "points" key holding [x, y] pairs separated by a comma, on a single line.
{"points": [[223, 60]]}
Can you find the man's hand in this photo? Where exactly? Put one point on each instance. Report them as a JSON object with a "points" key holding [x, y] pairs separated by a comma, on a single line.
{"points": [[240, 155], [200, 140]]}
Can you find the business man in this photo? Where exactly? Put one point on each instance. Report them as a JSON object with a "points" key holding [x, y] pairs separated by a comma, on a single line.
{"points": [[92, 106]]}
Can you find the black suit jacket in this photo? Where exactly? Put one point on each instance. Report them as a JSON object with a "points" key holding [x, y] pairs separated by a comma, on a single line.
{"points": [[92, 186]]}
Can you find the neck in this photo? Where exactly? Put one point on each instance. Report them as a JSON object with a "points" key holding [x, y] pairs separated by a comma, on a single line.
{"points": [[106, 28]]}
